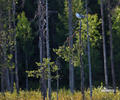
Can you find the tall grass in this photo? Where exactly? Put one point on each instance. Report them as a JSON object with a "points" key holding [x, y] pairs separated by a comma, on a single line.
{"points": [[63, 95]]}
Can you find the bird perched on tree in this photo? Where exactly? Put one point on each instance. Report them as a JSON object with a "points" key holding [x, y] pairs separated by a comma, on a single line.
{"points": [[79, 16]]}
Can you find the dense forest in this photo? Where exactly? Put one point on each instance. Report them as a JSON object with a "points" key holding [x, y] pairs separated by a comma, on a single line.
{"points": [[59, 44]]}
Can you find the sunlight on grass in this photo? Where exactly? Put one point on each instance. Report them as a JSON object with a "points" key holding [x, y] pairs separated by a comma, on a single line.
{"points": [[63, 95]]}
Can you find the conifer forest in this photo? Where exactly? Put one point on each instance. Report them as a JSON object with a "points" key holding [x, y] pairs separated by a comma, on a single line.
{"points": [[59, 49]]}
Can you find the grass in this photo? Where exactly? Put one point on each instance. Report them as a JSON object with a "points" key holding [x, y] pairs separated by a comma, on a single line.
{"points": [[63, 95]]}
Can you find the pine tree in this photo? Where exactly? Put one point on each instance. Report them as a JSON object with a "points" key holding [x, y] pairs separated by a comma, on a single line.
{"points": [[15, 46], [111, 45], [104, 45], [71, 67]]}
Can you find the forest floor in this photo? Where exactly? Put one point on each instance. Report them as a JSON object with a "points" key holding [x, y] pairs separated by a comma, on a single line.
{"points": [[63, 94]]}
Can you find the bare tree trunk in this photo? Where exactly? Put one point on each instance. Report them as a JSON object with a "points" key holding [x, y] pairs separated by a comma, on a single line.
{"points": [[89, 59], [41, 14], [11, 37], [23, 2], [5, 55], [26, 62], [7, 79], [2, 68], [11, 75], [81, 62], [48, 50], [40, 34], [16, 61], [6, 73], [44, 88], [111, 46], [71, 67], [104, 46], [58, 64], [16, 69], [57, 83], [6, 67], [82, 80], [2, 80]]}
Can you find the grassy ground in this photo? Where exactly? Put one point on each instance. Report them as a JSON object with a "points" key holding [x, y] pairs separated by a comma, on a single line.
{"points": [[63, 95]]}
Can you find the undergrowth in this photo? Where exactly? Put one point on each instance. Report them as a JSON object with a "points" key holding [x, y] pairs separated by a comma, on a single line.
{"points": [[62, 95]]}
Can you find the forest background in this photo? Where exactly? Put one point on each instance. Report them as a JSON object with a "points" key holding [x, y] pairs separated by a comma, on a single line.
{"points": [[21, 25]]}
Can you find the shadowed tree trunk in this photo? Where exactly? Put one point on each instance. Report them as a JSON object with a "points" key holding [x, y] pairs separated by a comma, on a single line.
{"points": [[104, 46], [11, 83], [111, 46], [40, 35], [57, 82], [81, 62], [7, 81], [48, 51], [58, 64], [11, 52], [26, 62], [71, 67], [16, 61], [2, 80], [2, 68], [44, 88], [6, 70], [23, 2], [42, 22], [89, 59]]}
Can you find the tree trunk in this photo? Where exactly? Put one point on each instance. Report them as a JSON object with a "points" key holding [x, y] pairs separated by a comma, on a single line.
{"points": [[23, 2], [41, 10], [71, 67], [11, 37], [89, 59], [82, 80], [12, 78], [16, 61], [16, 69], [40, 35], [48, 50], [111, 46], [2, 68], [26, 62], [81, 62], [57, 83], [104, 46], [7, 81], [58, 64], [2, 80]]}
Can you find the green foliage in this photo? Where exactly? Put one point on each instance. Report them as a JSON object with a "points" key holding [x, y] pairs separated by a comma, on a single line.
{"points": [[66, 53], [94, 23], [43, 68], [6, 33], [23, 27], [116, 20], [11, 64], [77, 6], [23, 32]]}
